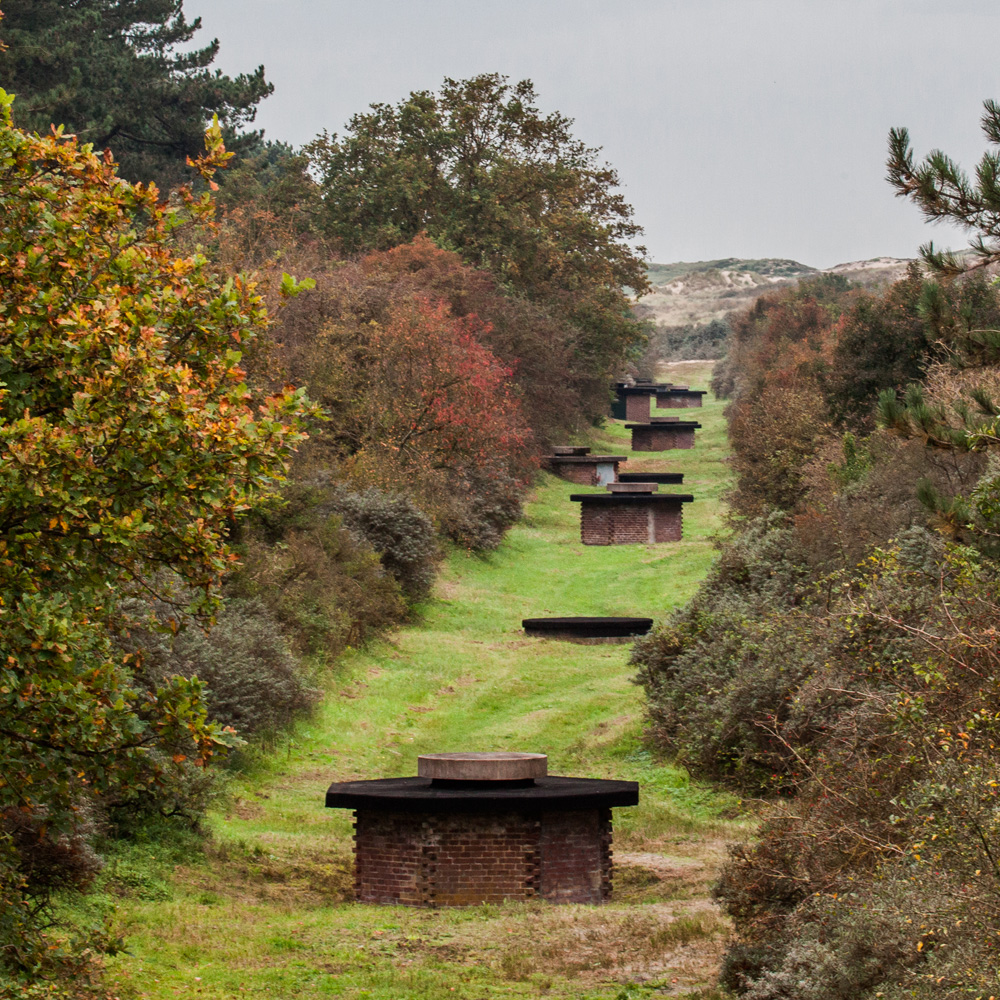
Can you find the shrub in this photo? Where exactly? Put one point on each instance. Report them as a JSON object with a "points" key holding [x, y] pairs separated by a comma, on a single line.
{"points": [[774, 433], [480, 506], [129, 440], [47, 860], [417, 402], [699, 341], [401, 534], [436, 383], [555, 390], [40, 861], [883, 342], [837, 952], [773, 375], [708, 672], [254, 683], [324, 585], [869, 703], [840, 659]]}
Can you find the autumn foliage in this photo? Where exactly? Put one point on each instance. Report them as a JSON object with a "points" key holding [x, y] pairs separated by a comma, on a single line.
{"points": [[156, 478], [128, 442], [416, 360], [433, 396], [839, 662], [482, 170]]}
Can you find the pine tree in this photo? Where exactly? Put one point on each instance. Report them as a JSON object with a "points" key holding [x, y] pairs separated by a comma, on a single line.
{"points": [[943, 191], [108, 71]]}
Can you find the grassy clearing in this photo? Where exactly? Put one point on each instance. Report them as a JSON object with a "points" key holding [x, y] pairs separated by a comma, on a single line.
{"points": [[266, 911]]}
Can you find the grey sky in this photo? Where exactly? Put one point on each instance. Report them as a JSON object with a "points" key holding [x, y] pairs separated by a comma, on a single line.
{"points": [[748, 128]]}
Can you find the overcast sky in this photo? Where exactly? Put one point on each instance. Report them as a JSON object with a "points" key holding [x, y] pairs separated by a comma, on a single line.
{"points": [[742, 128]]}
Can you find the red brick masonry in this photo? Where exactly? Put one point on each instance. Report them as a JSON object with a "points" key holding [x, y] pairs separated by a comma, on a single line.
{"points": [[663, 437], [583, 469], [623, 519], [675, 399], [462, 859], [637, 404]]}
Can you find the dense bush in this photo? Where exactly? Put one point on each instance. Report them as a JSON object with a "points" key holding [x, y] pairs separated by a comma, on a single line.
{"points": [[709, 672], [882, 342], [555, 390], [699, 341], [254, 683], [801, 316], [773, 376], [840, 659], [324, 585], [401, 534], [863, 703], [480, 506], [128, 442], [432, 381], [810, 362]]}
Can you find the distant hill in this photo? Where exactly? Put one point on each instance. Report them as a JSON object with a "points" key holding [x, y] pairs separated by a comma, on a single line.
{"points": [[691, 293], [769, 267]]}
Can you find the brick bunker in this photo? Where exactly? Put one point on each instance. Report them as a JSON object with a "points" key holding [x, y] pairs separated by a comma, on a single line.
{"points": [[663, 433], [663, 478], [481, 828], [578, 466], [587, 630], [678, 397], [633, 401], [630, 513]]}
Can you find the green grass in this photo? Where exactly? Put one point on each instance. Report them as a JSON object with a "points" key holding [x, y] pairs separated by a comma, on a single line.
{"points": [[265, 911]]}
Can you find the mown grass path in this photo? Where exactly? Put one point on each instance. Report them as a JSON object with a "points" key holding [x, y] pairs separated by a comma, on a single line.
{"points": [[268, 911]]}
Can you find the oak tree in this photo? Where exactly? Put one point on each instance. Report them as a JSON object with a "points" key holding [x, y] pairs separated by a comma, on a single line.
{"points": [[480, 169], [128, 442]]}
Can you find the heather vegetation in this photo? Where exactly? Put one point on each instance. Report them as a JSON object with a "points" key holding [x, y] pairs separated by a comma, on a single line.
{"points": [[839, 663]]}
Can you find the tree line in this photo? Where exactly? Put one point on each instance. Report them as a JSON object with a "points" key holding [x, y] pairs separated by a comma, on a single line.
{"points": [[248, 397]]}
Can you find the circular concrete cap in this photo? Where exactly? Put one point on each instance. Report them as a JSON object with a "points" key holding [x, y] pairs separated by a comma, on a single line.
{"points": [[633, 487], [570, 449], [498, 766]]}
